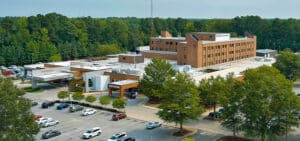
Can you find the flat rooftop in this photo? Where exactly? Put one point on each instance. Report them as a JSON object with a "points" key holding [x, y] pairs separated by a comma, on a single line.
{"points": [[161, 52], [231, 39], [124, 82], [265, 51], [172, 38], [53, 76]]}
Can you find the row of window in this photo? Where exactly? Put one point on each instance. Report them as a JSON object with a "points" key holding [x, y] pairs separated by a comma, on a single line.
{"points": [[230, 45], [218, 54]]}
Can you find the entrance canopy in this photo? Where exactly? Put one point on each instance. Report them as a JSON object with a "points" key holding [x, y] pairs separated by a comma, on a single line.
{"points": [[122, 85]]}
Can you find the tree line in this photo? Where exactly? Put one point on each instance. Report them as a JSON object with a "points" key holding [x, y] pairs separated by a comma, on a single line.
{"points": [[55, 37]]}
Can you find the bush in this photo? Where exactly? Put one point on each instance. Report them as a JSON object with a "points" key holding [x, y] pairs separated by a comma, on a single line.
{"points": [[119, 103], [62, 94], [90, 99], [78, 96], [104, 100]]}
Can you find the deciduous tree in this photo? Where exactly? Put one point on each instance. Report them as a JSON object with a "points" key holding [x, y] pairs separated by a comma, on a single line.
{"points": [[180, 100], [17, 120], [156, 74]]}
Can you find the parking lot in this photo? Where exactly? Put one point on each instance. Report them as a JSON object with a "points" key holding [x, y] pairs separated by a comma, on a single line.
{"points": [[72, 126]]}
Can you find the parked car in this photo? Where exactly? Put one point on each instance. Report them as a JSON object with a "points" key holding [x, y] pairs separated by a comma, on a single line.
{"points": [[75, 108], [96, 131], [47, 104], [42, 120], [221, 110], [133, 95], [129, 139], [62, 106], [152, 125], [88, 112], [50, 134], [50, 123], [118, 116], [118, 136], [37, 117], [214, 115], [34, 103]]}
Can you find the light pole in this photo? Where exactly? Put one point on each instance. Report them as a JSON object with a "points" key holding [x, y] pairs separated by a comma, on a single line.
{"points": [[210, 90]]}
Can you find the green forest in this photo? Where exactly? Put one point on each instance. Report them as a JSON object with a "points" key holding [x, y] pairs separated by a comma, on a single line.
{"points": [[55, 37]]}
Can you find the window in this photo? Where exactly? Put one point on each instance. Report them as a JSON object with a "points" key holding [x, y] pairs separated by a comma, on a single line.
{"points": [[124, 58], [167, 43], [184, 56], [176, 43], [171, 43]]}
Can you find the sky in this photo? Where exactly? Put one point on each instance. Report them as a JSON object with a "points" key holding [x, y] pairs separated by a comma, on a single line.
{"points": [[161, 8]]}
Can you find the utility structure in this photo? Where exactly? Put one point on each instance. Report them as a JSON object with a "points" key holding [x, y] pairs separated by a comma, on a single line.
{"points": [[152, 30]]}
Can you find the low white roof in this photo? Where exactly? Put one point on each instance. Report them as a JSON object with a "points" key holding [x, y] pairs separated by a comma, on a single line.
{"points": [[34, 66], [231, 39], [124, 82], [53, 76]]}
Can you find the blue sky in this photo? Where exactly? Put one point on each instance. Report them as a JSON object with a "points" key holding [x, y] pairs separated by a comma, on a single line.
{"points": [[162, 8]]}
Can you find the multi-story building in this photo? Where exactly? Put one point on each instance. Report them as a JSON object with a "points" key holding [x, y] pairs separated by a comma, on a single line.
{"points": [[200, 49]]}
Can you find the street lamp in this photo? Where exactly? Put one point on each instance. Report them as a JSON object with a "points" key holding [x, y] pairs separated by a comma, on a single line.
{"points": [[210, 89]]}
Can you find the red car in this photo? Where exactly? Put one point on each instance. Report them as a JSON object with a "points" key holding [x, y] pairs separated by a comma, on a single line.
{"points": [[119, 116], [37, 117]]}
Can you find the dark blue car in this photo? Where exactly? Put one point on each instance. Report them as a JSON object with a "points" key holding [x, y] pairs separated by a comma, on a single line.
{"points": [[62, 106]]}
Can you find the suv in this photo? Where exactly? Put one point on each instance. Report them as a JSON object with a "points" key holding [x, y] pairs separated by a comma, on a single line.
{"points": [[96, 131], [118, 116], [75, 108], [47, 104]]}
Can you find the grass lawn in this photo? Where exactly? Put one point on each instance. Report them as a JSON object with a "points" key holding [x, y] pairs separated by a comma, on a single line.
{"points": [[31, 90]]}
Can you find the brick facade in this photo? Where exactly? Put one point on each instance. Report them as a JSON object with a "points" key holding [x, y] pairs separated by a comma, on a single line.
{"points": [[200, 49]]}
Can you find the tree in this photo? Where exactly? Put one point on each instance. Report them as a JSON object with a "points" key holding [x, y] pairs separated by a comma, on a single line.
{"points": [[232, 101], [55, 58], [78, 96], [90, 99], [212, 90], [180, 100], [62, 94], [104, 100], [288, 63], [119, 104], [156, 73], [269, 104], [17, 120]]}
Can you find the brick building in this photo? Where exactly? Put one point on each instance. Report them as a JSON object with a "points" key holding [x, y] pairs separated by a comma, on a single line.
{"points": [[200, 49]]}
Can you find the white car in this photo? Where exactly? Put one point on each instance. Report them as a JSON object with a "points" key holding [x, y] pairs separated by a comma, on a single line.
{"points": [[96, 131], [86, 112], [42, 120], [118, 136], [50, 123]]}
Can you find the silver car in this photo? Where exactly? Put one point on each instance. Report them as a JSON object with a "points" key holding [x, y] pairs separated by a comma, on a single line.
{"points": [[50, 123], [152, 125]]}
